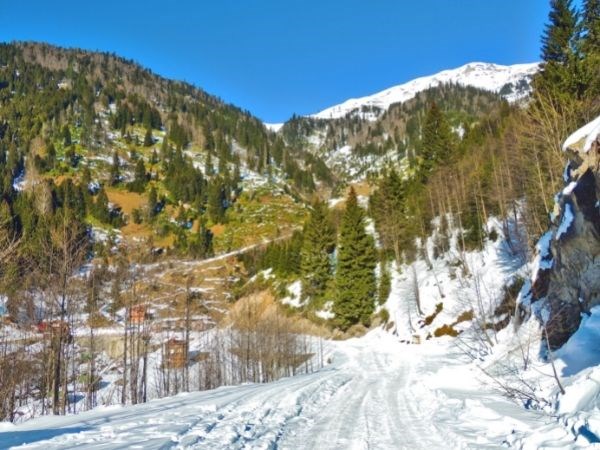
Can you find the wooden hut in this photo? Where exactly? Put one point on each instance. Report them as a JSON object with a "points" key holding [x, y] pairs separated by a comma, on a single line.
{"points": [[175, 353], [138, 314], [54, 329]]}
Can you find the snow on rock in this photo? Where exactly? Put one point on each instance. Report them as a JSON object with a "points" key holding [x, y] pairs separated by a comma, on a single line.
{"points": [[491, 77], [583, 138], [543, 259], [566, 222]]}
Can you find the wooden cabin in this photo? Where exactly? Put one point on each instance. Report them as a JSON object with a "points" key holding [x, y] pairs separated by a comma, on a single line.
{"points": [[175, 353], [138, 314], [55, 328]]}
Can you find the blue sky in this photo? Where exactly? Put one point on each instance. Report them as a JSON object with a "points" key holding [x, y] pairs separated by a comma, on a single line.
{"points": [[276, 58]]}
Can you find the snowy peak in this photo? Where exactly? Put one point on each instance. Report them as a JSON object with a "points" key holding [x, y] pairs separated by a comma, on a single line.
{"points": [[510, 81]]}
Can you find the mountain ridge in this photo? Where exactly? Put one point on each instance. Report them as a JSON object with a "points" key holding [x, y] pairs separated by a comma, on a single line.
{"points": [[487, 76]]}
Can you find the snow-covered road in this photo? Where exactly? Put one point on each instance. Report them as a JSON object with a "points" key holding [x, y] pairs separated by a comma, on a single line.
{"points": [[377, 393]]}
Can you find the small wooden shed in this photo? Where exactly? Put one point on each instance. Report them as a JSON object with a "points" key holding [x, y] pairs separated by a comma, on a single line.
{"points": [[138, 314], [175, 352], [54, 329]]}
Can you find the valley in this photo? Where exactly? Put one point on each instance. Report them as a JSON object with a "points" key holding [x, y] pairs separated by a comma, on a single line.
{"points": [[415, 268]]}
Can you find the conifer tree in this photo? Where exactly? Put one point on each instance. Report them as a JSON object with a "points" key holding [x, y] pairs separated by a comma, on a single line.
{"points": [[590, 24], [66, 135], [437, 142], [317, 246], [86, 177], [50, 156], [208, 165], [148, 141], [200, 243], [385, 283], [589, 46], [115, 171], [154, 157], [101, 211], [559, 34], [152, 202], [355, 280], [390, 209], [140, 178], [215, 206], [164, 148]]}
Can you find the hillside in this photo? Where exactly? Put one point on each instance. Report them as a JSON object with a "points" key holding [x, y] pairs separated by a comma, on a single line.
{"points": [[354, 147], [149, 157]]}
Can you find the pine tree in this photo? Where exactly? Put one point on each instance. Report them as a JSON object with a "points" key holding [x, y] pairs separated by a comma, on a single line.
{"points": [[140, 178], [208, 165], [437, 142], [154, 157], [50, 156], [152, 202], [590, 25], [66, 136], [385, 283], [390, 209], [215, 207], [200, 243], [115, 171], [355, 281], [559, 34], [589, 46], [165, 150], [317, 246], [101, 211], [148, 141]]}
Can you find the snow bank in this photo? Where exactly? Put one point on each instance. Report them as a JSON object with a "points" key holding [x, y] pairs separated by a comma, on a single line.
{"points": [[583, 138], [581, 350]]}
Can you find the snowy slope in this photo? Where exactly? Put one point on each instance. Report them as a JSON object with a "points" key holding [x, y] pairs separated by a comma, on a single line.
{"points": [[377, 393], [491, 77]]}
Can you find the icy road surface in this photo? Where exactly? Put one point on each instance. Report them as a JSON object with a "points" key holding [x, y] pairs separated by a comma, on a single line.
{"points": [[376, 394]]}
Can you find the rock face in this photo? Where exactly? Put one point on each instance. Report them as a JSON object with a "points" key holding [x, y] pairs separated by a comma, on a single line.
{"points": [[566, 275]]}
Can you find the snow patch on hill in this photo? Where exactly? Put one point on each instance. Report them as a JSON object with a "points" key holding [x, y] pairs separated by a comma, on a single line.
{"points": [[275, 127]]}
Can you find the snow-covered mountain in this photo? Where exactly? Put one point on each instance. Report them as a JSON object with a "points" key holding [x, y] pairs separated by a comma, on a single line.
{"points": [[511, 81]]}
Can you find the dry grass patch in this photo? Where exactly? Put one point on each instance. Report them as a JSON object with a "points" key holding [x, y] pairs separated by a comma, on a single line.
{"points": [[261, 307], [217, 230], [128, 201], [362, 188], [60, 179], [137, 230]]}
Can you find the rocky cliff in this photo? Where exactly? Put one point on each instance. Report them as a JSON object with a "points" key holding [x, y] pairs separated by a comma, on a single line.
{"points": [[566, 274]]}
